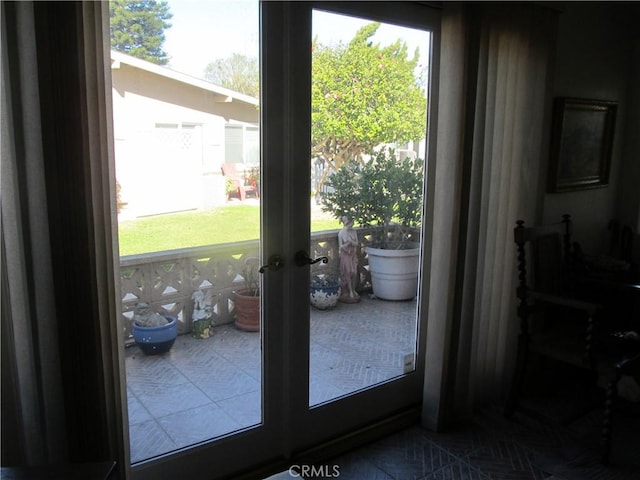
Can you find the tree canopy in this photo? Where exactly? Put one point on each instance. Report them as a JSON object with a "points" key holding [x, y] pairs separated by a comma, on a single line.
{"points": [[237, 72], [363, 95], [137, 28]]}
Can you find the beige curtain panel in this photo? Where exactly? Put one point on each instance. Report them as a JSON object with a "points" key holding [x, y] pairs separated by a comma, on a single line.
{"points": [[492, 106]]}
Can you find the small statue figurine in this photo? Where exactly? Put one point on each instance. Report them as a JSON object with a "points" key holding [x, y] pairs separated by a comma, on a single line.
{"points": [[348, 250], [202, 313]]}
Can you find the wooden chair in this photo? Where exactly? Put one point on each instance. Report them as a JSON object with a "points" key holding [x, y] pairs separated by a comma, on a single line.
{"points": [[230, 172], [627, 366], [564, 326], [547, 263], [620, 241]]}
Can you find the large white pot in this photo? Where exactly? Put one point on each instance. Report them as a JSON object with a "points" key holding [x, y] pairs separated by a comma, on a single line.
{"points": [[394, 273]]}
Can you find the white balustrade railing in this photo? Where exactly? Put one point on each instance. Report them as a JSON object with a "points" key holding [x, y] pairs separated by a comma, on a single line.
{"points": [[167, 280]]}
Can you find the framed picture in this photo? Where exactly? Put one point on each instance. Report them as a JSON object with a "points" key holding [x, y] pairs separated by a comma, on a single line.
{"points": [[581, 143]]}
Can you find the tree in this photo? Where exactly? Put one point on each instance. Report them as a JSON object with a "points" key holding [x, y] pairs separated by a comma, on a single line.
{"points": [[237, 72], [137, 28], [363, 95]]}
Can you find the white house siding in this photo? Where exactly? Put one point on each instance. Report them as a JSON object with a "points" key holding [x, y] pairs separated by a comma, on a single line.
{"points": [[170, 141]]}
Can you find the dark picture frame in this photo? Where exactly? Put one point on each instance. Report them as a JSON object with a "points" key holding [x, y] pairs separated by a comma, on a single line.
{"points": [[581, 144]]}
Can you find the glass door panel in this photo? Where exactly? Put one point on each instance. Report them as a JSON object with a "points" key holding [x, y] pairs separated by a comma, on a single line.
{"points": [[368, 129], [188, 173]]}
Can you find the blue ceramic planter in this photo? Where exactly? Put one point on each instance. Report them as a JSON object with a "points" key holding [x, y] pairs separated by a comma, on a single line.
{"points": [[156, 340]]}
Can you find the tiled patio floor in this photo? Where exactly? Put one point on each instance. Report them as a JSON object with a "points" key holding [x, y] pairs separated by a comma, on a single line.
{"points": [[205, 388]]}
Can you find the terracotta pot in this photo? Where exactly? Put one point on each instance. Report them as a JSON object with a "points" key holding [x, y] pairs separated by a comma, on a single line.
{"points": [[247, 307]]}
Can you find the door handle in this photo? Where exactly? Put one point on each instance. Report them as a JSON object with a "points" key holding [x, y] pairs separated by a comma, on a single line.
{"points": [[274, 263], [302, 258]]}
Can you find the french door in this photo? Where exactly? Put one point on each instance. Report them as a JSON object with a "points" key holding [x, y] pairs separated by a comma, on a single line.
{"points": [[322, 374]]}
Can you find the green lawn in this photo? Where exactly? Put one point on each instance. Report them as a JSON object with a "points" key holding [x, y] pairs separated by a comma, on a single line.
{"points": [[192, 229]]}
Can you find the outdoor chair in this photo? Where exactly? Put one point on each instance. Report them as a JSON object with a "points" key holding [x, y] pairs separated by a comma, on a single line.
{"points": [[230, 172]]}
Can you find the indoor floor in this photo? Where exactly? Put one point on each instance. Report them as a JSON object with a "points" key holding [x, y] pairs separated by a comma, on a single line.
{"points": [[492, 447]]}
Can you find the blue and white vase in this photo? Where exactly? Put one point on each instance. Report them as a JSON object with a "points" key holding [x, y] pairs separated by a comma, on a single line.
{"points": [[324, 297]]}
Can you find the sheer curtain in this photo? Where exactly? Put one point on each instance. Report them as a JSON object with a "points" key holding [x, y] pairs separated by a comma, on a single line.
{"points": [[493, 110]]}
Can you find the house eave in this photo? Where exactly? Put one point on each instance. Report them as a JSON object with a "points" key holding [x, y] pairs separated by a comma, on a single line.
{"points": [[223, 95]]}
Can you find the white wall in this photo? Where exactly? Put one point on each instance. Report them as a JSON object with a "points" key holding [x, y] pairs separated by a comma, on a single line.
{"points": [[161, 170]]}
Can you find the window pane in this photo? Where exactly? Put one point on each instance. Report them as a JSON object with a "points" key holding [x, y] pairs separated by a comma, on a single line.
{"points": [[368, 144], [189, 230]]}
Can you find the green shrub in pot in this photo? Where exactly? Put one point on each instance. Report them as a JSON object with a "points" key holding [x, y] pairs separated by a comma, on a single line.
{"points": [[386, 192], [383, 191]]}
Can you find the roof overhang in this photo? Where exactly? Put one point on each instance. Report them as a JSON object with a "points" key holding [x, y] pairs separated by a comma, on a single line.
{"points": [[221, 94]]}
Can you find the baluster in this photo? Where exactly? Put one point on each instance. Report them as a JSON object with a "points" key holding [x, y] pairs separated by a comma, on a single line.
{"points": [[588, 347], [523, 309], [523, 314], [612, 391], [566, 219]]}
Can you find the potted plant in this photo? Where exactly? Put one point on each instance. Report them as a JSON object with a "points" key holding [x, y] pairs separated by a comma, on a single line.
{"points": [[153, 333], [230, 187], [384, 191], [247, 300], [324, 291], [253, 178]]}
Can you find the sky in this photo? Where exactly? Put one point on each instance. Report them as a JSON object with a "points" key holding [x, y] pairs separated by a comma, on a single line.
{"points": [[204, 30]]}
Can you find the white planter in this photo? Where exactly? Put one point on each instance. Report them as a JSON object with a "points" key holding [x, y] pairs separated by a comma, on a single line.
{"points": [[394, 273]]}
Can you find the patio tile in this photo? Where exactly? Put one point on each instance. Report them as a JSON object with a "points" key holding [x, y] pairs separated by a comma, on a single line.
{"points": [[147, 440], [322, 358], [354, 373], [249, 363], [198, 424], [229, 338], [245, 409], [376, 355], [208, 387], [224, 381], [338, 379], [137, 412], [188, 352], [151, 369], [354, 337], [161, 400], [321, 391]]}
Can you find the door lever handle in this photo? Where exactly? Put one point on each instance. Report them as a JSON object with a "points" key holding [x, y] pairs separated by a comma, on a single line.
{"points": [[275, 263], [302, 258]]}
